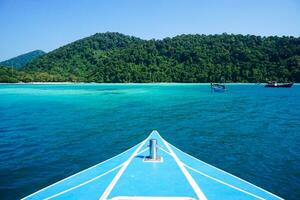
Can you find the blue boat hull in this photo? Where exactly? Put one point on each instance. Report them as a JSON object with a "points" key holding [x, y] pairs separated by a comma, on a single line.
{"points": [[129, 175], [215, 89]]}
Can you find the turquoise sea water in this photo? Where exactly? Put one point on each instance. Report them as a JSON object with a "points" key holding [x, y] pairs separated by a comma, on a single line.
{"points": [[48, 132]]}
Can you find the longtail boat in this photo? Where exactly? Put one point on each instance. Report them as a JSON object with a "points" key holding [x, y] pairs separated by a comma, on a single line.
{"points": [[279, 85], [215, 87]]}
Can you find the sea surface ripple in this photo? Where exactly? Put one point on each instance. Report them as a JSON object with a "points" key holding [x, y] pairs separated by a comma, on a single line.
{"points": [[48, 132]]}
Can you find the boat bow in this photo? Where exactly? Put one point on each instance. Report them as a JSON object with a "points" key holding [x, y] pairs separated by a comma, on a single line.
{"points": [[133, 175]]}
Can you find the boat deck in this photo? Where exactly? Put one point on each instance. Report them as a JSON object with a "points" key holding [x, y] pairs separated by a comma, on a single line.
{"points": [[176, 176]]}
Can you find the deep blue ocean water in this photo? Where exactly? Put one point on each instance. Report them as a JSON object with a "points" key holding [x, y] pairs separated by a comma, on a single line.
{"points": [[48, 132]]}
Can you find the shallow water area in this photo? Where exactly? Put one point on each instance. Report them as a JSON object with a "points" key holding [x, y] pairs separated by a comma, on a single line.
{"points": [[48, 132]]}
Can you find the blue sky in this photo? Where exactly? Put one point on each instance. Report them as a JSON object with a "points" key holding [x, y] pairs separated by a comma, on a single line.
{"points": [[27, 25]]}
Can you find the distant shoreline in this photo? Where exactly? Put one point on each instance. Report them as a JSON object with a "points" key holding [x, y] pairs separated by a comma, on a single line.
{"points": [[91, 83], [74, 83]]}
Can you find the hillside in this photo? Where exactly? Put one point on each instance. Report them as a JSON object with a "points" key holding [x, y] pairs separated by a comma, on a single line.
{"points": [[21, 60], [114, 57]]}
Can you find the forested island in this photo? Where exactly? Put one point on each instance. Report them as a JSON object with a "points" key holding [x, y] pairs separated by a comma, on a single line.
{"points": [[117, 58]]}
